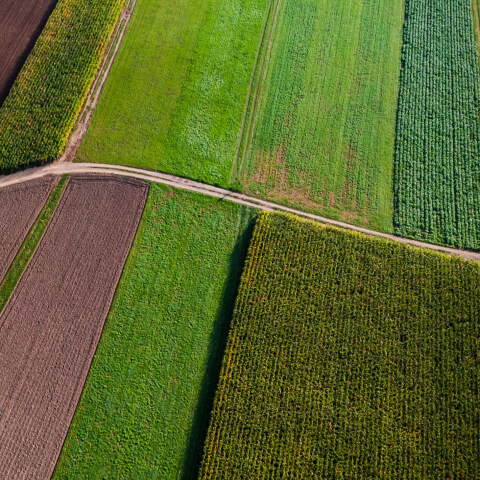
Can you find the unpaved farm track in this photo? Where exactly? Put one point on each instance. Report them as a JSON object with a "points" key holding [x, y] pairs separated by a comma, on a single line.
{"points": [[21, 22], [20, 205], [97, 86], [191, 185], [51, 325]]}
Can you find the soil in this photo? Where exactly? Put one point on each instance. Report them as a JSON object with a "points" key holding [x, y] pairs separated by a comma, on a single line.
{"points": [[20, 205], [213, 191], [21, 22], [51, 325]]}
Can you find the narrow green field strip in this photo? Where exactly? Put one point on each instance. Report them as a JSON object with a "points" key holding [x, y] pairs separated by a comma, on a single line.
{"points": [[322, 132], [30, 244], [348, 357], [145, 407], [41, 109], [175, 97], [437, 158]]}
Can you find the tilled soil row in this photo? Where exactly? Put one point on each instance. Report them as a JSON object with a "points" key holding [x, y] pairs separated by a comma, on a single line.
{"points": [[20, 25], [51, 325], [20, 205]]}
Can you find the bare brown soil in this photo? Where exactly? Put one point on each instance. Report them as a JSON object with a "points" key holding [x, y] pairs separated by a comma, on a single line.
{"points": [[51, 325], [20, 205], [21, 22]]}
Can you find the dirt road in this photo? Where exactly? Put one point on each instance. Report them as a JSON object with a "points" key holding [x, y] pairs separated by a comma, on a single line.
{"points": [[185, 184]]}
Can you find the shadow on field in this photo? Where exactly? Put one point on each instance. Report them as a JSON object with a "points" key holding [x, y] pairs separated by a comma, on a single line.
{"points": [[218, 340]]}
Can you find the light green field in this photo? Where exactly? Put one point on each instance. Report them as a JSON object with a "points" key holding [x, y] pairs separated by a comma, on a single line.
{"points": [[144, 411], [322, 131], [175, 98]]}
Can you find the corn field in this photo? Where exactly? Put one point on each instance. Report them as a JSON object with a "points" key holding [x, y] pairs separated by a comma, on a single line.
{"points": [[43, 104], [348, 357]]}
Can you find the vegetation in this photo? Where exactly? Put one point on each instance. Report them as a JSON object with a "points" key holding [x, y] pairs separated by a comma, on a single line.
{"points": [[181, 77], [322, 131], [476, 21], [41, 109], [144, 410], [348, 357], [30, 244], [437, 166]]}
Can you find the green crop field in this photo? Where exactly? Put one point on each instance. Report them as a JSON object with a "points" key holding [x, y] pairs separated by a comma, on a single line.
{"points": [[348, 357], [144, 410], [42, 106], [175, 98], [322, 131], [437, 161]]}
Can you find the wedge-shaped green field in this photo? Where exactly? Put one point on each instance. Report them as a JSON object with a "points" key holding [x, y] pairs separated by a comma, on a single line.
{"points": [[322, 127], [348, 357], [176, 95], [144, 411], [437, 162]]}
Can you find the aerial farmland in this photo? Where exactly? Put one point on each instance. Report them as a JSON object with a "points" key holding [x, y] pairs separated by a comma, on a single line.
{"points": [[239, 239]]}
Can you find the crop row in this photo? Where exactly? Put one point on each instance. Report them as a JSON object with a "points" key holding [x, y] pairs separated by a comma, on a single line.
{"points": [[40, 111], [437, 158], [348, 357]]}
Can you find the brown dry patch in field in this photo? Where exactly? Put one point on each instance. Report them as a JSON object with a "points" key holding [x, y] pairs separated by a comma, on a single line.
{"points": [[21, 22], [20, 205], [51, 325], [273, 173], [351, 156]]}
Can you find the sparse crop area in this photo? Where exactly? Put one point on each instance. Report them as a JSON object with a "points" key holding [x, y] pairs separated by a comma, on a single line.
{"points": [[42, 106], [181, 79], [322, 127], [348, 357], [437, 158], [146, 404]]}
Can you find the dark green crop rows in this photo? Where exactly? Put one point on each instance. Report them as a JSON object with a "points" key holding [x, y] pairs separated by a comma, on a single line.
{"points": [[40, 111], [437, 161], [348, 357]]}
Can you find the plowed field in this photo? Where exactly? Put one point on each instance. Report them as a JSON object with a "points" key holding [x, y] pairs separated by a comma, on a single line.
{"points": [[50, 328], [20, 25], [19, 207]]}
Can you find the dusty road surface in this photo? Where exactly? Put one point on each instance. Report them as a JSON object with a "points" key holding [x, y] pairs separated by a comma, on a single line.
{"points": [[51, 325], [19, 207], [21, 22], [212, 191]]}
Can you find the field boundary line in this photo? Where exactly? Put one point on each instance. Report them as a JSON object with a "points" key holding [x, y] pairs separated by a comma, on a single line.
{"points": [[96, 88], [216, 192], [255, 85]]}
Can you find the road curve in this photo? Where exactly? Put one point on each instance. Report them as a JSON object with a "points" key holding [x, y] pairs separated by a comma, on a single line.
{"points": [[205, 189]]}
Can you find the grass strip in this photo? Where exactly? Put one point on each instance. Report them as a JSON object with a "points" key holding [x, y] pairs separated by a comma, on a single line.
{"points": [[30, 244], [146, 404]]}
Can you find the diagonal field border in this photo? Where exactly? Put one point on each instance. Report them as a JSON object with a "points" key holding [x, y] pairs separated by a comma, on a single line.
{"points": [[20, 206], [51, 325]]}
